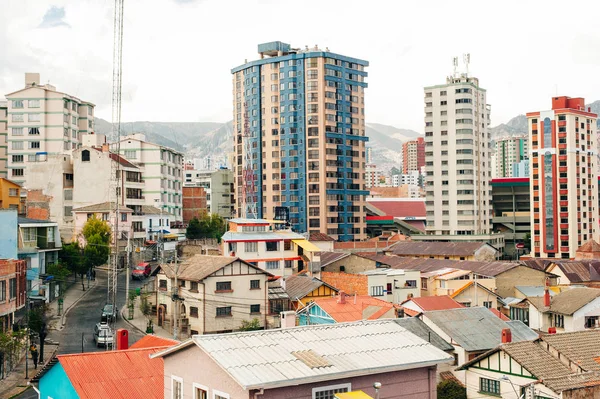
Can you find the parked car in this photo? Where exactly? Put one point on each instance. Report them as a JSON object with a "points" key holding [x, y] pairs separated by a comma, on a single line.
{"points": [[141, 271], [103, 334], [109, 313]]}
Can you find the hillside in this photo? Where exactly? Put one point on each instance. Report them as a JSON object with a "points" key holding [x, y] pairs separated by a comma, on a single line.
{"points": [[202, 139]]}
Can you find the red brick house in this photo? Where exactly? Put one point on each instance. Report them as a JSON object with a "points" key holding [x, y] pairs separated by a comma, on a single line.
{"points": [[13, 290]]}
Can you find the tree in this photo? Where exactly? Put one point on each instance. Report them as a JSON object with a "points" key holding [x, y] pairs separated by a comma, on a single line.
{"points": [[95, 226], [97, 246], [194, 230], [206, 226], [450, 389], [70, 256], [252, 325]]}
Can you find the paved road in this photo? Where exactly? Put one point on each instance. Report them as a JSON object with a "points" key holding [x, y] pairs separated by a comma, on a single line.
{"points": [[85, 314]]}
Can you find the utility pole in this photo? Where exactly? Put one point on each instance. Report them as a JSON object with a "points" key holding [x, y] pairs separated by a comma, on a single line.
{"points": [[176, 298], [128, 271]]}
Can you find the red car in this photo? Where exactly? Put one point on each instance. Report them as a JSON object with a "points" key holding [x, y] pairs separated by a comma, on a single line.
{"points": [[141, 271]]}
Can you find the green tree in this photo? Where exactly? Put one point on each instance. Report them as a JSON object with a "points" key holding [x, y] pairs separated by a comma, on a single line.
{"points": [[97, 246], [95, 226], [70, 256], [193, 230], [252, 325], [59, 271], [450, 389]]}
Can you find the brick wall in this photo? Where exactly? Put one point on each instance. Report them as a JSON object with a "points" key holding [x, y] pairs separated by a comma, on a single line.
{"points": [[349, 283], [193, 202], [38, 205], [9, 269]]}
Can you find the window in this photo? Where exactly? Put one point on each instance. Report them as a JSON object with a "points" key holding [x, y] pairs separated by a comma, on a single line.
{"points": [[34, 103], [254, 284], [329, 392], [17, 159], [220, 395], [17, 172], [272, 245], [17, 145], [17, 117], [223, 285], [33, 117], [34, 131], [254, 308], [17, 104], [129, 154], [377, 290], [251, 246], [559, 321], [34, 144], [85, 156], [200, 391], [162, 285], [13, 192], [273, 264], [194, 286], [13, 288], [2, 290], [50, 234], [176, 387], [17, 131], [410, 283], [289, 264], [489, 386], [224, 311], [487, 304], [123, 217], [424, 283], [193, 311]]}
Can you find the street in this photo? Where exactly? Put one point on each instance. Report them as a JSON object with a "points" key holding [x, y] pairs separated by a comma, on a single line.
{"points": [[84, 315]]}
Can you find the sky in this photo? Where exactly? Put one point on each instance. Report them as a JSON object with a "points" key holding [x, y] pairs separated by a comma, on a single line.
{"points": [[178, 54]]}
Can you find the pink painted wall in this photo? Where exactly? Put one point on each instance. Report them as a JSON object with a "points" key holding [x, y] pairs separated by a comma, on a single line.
{"points": [[193, 365]]}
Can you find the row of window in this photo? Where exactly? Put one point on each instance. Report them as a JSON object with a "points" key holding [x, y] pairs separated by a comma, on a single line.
{"points": [[12, 289]]}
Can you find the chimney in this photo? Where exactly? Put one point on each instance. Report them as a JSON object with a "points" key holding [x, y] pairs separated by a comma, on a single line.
{"points": [[104, 147], [122, 339], [288, 319], [551, 330], [547, 293], [506, 336], [342, 298], [589, 109]]}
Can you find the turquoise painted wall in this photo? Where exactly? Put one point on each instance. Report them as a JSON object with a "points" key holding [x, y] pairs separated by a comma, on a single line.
{"points": [[317, 316], [56, 385]]}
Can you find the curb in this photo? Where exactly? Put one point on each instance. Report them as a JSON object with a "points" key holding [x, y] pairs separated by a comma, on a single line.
{"points": [[63, 320], [124, 318]]}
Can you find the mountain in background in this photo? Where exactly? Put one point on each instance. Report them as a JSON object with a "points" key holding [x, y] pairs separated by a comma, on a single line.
{"points": [[202, 139], [518, 125]]}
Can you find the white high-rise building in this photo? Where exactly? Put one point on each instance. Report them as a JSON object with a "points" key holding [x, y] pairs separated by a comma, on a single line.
{"points": [[457, 158]]}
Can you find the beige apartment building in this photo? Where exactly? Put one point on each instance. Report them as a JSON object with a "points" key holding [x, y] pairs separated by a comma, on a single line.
{"points": [[508, 152], [162, 171], [42, 122], [299, 139], [457, 158], [219, 187], [3, 137]]}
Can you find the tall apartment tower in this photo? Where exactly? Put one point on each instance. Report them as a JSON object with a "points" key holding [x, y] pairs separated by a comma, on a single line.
{"points": [[299, 139], [413, 155], [457, 158], [43, 121], [3, 138], [564, 178], [510, 151]]}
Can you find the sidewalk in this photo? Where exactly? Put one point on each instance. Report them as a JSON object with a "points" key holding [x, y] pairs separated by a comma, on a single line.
{"points": [[140, 321], [14, 383]]}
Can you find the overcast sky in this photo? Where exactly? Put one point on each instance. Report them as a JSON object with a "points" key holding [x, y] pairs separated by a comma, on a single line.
{"points": [[178, 53]]}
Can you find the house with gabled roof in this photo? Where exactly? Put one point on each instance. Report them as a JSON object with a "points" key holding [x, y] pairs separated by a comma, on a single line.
{"points": [[344, 308], [428, 303], [302, 289], [474, 293], [554, 366], [315, 361]]}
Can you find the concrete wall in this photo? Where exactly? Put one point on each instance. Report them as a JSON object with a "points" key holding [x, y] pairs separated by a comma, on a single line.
{"points": [[352, 264], [520, 275]]}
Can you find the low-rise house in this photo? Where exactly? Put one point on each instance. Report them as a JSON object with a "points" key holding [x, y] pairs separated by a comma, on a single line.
{"points": [[351, 284], [461, 250], [574, 309], [589, 250], [302, 289], [10, 194], [476, 294], [394, 285], [429, 303], [473, 331], [576, 272], [322, 240], [39, 245], [126, 373], [344, 308], [13, 291], [555, 366], [304, 362], [218, 292], [270, 246]]}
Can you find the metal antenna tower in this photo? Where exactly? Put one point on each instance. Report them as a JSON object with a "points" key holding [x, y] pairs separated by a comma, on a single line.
{"points": [[116, 138], [248, 189]]}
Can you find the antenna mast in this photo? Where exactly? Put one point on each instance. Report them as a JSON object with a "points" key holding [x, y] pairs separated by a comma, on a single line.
{"points": [[116, 137]]}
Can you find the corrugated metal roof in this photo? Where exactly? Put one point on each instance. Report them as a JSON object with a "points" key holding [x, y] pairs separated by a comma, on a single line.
{"points": [[102, 207], [330, 257], [319, 237], [299, 286], [533, 291], [463, 248], [198, 267], [262, 236], [401, 209], [430, 303], [422, 330], [579, 271], [264, 359], [476, 329], [126, 374], [153, 341], [356, 307]]}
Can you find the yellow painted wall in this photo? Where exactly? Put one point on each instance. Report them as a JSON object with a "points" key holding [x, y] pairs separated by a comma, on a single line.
{"points": [[5, 199], [321, 292]]}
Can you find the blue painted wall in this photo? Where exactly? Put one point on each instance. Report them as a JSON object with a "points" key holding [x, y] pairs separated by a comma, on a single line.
{"points": [[56, 384], [8, 234], [316, 315]]}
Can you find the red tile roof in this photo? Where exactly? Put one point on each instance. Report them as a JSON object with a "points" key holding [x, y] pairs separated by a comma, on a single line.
{"points": [[125, 374], [401, 209], [441, 302], [360, 307], [153, 341], [320, 237], [590, 246]]}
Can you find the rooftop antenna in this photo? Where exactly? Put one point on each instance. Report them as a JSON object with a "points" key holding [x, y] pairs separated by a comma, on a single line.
{"points": [[467, 61], [455, 65]]}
